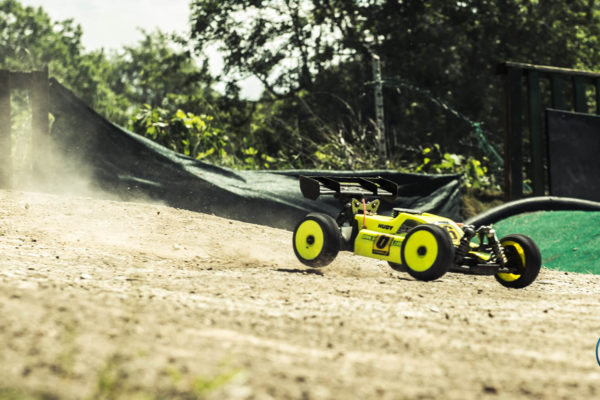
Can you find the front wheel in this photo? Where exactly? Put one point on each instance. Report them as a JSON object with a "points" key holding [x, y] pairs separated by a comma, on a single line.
{"points": [[427, 252], [317, 240], [523, 257]]}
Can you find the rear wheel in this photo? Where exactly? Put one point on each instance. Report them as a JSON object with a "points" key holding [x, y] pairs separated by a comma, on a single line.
{"points": [[427, 252], [524, 257], [317, 240], [397, 267]]}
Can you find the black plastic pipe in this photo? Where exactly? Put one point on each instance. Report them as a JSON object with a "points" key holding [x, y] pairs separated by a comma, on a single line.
{"points": [[531, 204]]}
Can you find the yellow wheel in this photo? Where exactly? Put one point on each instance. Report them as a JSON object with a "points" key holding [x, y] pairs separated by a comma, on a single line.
{"points": [[317, 240], [427, 252], [524, 259]]}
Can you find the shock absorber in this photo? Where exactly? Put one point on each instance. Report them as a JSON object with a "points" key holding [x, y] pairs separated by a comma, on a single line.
{"points": [[465, 244], [496, 247]]}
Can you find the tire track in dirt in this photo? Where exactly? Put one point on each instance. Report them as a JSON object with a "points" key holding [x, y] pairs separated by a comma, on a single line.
{"points": [[157, 298]]}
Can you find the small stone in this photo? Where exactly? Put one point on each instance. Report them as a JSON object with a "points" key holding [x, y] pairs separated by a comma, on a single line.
{"points": [[85, 276], [490, 389]]}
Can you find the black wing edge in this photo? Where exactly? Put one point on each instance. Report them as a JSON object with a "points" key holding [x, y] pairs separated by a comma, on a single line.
{"points": [[346, 187]]}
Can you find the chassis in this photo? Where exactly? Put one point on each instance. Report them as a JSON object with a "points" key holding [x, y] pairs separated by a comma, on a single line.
{"points": [[422, 244]]}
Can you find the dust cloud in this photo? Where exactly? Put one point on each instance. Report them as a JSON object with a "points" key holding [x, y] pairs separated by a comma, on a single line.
{"points": [[40, 163]]}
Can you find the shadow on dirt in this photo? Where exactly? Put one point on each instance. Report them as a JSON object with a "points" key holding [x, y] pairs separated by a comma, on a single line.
{"points": [[300, 271]]}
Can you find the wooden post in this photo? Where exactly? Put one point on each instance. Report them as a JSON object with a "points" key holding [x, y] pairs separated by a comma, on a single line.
{"points": [[597, 85], [580, 100], [40, 108], [5, 130], [535, 129], [513, 158], [379, 109], [557, 92]]}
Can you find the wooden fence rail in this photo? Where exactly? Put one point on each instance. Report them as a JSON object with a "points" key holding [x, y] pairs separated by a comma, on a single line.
{"points": [[578, 82]]}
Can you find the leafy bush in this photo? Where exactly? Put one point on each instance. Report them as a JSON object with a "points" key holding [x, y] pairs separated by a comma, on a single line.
{"points": [[475, 172], [201, 137], [197, 136]]}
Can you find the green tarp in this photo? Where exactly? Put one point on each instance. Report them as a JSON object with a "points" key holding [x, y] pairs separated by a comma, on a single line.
{"points": [[131, 166], [568, 240]]}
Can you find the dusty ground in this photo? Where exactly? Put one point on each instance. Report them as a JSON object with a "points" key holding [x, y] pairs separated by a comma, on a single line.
{"points": [[102, 299]]}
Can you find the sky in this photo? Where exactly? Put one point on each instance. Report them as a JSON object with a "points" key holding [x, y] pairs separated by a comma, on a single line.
{"points": [[112, 24]]}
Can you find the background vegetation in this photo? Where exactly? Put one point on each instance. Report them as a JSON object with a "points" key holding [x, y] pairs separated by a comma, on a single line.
{"points": [[314, 60]]}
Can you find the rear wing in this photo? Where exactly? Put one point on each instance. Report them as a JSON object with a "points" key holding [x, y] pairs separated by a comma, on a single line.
{"points": [[347, 187]]}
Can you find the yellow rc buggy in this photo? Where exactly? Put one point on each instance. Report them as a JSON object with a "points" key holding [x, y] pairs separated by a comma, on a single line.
{"points": [[424, 245]]}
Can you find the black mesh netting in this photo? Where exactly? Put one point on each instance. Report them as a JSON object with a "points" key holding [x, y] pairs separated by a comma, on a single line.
{"points": [[131, 166]]}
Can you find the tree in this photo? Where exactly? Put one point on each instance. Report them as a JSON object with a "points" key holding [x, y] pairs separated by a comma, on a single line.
{"points": [[160, 71], [434, 52], [30, 40], [284, 44]]}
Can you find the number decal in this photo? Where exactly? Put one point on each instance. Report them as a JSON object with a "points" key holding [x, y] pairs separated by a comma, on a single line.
{"points": [[451, 231], [382, 245], [382, 241]]}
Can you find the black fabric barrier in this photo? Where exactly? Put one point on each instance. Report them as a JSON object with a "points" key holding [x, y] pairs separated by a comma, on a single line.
{"points": [[573, 154], [132, 167]]}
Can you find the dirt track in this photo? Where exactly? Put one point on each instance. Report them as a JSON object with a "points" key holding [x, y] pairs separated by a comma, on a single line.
{"points": [[101, 299]]}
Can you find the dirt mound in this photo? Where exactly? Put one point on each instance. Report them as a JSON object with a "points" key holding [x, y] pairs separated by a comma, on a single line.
{"points": [[102, 299]]}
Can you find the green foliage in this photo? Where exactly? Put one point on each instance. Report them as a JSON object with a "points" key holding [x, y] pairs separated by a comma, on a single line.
{"points": [[282, 43], [198, 136], [160, 71], [114, 382], [475, 172], [111, 379], [198, 386], [307, 53], [314, 60], [16, 394], [185, 133], [30, 40]]}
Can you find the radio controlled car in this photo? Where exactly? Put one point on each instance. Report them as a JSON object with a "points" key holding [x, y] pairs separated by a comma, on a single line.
{"points": [[425, 245]]}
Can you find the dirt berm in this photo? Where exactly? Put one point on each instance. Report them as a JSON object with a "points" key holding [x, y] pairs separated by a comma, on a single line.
{"points": [[104, 300]]}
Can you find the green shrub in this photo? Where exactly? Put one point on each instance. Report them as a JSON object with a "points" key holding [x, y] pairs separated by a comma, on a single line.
{"points": [[198, 136], [203, 138]]}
